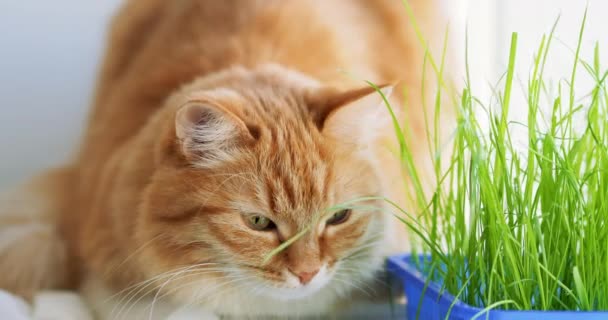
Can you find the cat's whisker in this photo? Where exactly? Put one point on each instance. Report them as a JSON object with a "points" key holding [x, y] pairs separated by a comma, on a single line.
{"points": [[206, 290], [150, 282], [261, 286], [172, 290], [128, 305], [158, 287], [364, 284], [358, 256], [134, 286], [126, 293], [340, 279], [142, 285], [127, 290], [353, 269], [348, 284], [374, 241], [159, 290], [339, 291], [133, 254], [237, 284], [370, 240], [255, 289], [366, 246], [358, 253], [188, 274]]}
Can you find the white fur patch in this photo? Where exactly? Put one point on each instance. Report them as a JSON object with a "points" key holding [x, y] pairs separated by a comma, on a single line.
{"points": [[192, 314]]}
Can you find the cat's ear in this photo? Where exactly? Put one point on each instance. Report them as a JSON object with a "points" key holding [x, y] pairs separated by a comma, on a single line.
{"points": [[209, 134], [353, 115]]}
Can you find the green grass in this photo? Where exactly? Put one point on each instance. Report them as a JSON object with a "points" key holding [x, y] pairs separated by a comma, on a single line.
{"points": [[510, 228], [504, 227]]}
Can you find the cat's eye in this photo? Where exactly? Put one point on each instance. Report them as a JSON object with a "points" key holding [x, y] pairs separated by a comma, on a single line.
{"points": [[259, 223], [339, 217]]}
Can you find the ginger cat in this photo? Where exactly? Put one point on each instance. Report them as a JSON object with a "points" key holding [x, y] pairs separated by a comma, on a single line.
{"points": [[220, 130]]}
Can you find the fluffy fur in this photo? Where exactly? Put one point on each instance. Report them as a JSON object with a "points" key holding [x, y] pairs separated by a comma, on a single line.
{"points": [[210, 111], [33, 254]]}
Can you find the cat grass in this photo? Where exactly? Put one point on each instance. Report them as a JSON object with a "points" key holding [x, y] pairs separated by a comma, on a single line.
{"points": [[506, 226], [517, 222]]}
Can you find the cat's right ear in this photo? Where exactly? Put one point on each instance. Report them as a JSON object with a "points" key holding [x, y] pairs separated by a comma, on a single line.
{"points": [[358, 116], [208, 134]]}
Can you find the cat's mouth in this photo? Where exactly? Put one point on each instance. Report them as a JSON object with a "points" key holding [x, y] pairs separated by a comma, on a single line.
{"points": [[291, 288]]}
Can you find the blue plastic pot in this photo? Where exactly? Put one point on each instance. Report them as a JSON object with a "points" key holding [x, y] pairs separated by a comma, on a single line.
{"points": [[435, 304]]}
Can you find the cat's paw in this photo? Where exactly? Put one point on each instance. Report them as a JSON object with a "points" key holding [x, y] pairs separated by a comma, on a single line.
{"points": [[60, 306]]}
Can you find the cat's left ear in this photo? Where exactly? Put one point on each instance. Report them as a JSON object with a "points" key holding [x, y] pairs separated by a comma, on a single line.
{"points": [[209, 134], [353, 115]]}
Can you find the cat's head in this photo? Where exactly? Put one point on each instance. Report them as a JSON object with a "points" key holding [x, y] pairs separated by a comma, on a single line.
{"points": [[251, 158]]}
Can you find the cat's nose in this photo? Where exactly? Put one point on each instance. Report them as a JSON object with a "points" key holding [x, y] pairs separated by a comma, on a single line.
{"points": [[306, 277]]}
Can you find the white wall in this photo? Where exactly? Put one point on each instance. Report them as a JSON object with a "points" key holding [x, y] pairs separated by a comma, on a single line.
{"points": [[49, 52], [531, 19], [491, 22]]}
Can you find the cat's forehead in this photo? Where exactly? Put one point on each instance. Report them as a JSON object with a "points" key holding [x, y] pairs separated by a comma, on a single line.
{"points": [[295, 159], [296, 174]]}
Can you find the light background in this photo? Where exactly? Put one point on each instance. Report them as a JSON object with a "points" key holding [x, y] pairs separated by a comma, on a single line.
{"points": [[50, 50], [49, 54]]}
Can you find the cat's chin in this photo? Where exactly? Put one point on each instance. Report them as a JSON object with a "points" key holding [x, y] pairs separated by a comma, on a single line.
{"points": [[292, 289]]}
